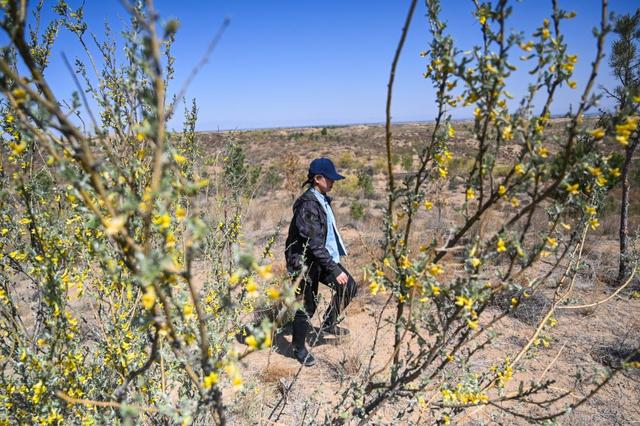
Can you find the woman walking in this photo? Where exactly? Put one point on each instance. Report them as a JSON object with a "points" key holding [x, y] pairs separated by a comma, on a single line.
{"points": [[314, 248]]}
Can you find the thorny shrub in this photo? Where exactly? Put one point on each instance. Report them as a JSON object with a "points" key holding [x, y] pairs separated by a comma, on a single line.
{"points": [[440, 316], [102, 233]]}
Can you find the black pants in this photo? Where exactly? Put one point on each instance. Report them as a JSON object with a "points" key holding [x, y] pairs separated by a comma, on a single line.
{"points": [[308, 287]]}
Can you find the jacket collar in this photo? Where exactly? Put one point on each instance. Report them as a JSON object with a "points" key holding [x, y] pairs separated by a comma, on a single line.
{"points": [[326, 197]]}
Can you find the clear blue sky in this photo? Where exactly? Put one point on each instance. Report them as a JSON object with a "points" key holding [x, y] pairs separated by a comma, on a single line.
{"points": [[295, 63]]}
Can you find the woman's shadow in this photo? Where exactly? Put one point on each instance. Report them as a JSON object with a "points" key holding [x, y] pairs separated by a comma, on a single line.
{"points": [[282, 339]]}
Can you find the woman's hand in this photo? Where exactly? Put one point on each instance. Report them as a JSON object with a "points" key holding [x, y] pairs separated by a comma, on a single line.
{"points": [[342, 279]]}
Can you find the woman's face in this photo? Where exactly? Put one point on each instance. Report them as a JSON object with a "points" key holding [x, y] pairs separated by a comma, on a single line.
{"points": [[323, 184]]}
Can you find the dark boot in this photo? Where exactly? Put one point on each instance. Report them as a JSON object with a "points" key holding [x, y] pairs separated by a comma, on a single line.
{"points": [[300, 330], [332, 328], [304, 356], [330, 324]]}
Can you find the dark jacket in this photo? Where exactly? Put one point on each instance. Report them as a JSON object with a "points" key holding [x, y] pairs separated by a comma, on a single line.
{"points": [[307, 237]]}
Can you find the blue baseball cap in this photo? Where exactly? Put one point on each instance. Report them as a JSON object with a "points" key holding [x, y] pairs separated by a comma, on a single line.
{"points": [[323, 166]]}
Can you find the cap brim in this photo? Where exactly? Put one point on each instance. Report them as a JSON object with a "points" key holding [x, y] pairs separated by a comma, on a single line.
{"points": [[336, 177]]}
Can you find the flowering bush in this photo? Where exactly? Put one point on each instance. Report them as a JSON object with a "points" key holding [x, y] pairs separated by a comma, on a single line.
{"points": [[548, 197], [102, 227]]}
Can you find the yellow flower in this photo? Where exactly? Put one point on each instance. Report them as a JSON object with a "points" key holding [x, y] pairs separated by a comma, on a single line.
{"points": [[566, 226], [543, 152], [502, 190], [428, 205], [526, 46], [545, 33], [234, 278], [552, 242], [374, 287], [616, 172], [187, 310], [273, 293], [265, 272], [435, 269], [19, 94], [472, 324], [405, 262], [594, 223], [237, 381], [163, 221], [435, 289], [16, 255], [573, 189], [251, 286], [572, 84], [590, 210], [597, 133], [623, 131], [507, 133], [251, 342], [515, 202], [519, 169], [475, 262], [622, 140], [442, 171], [410, 281], [149, 297], [210, 380], [114, 225], [500, 245], [170, 240], [464, 301], [181, 212], [595, 171], [38, 389], [179, 158], [16, 148], [470, 194], [451, 131], [267, 341]]}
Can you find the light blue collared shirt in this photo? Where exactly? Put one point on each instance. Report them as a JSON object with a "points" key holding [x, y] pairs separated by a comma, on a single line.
{"points": [[334, 244]]}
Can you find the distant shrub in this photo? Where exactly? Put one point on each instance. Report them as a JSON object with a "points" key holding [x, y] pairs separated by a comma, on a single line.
{"points": [[407, 162], [380, 165], [273, 178], [347, 187], [501, 170], [346, 160], [365, 181], [461, 165], [357, 210], [267, 181]]}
